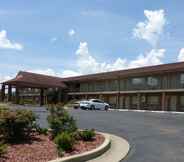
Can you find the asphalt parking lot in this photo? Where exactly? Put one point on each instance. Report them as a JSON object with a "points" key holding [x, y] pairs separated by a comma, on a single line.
{"points": [[154, 137]]}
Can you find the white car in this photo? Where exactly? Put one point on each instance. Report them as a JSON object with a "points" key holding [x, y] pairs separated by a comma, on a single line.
{"points": [[94, 104]]}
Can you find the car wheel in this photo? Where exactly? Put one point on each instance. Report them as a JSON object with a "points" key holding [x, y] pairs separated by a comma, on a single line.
{"points": [[83, 108], [92, 107], [106, 108]]}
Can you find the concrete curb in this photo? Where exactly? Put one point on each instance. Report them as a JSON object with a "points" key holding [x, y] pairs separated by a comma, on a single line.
{"points": [[89, 154], [118, 151], [161, 112]]}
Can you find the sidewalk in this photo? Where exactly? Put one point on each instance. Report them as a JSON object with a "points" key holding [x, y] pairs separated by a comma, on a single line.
{"points": [[118, 150]]}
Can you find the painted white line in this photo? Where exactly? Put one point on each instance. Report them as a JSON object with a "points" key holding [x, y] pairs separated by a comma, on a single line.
{"points": [[166, 112]]}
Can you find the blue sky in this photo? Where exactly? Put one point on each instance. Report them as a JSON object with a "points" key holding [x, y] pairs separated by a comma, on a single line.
{"points": [[102, 30]]}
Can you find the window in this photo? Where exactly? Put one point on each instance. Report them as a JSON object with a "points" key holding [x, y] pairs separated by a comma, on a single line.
{"points": [[137, 81], [100, 86], [94, 100], [182, 100], [143, 99], [152, 81], [84, 87], [154, 100], [36, 90], [182, 78], [113, 85], [134, 100], [98, 101], [91, 87]]}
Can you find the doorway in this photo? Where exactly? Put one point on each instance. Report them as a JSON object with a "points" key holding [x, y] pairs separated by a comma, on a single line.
{"points": [[172, 103]]}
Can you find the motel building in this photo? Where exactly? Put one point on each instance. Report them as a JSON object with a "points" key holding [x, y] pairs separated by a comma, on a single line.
{"points": [[159, 87]]}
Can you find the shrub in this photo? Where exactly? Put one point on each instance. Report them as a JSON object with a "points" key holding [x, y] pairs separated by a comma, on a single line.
{"points": [[21, 102], [26, 101], [3, 148], [77, 135], [87, 135], [3, 107], [64, 142], [2, 130], [42, 131], [16, 125], [39, 129], [60, 121]]}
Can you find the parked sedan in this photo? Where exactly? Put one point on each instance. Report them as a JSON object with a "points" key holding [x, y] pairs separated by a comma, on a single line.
{"points": [[94, 104], [76, 104]]}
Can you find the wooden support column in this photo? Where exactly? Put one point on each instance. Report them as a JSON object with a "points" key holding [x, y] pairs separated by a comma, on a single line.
{"points": [[163, 102], [130, 102], [123, 104], [146, 101], [138, 101], [17, 97], [106, 99], [9, 93], [118, 95], [178, 102], [59, 95], [66, 97], [86, 96], [3, 92], [118, 101], [45, 98], [41, 97]]}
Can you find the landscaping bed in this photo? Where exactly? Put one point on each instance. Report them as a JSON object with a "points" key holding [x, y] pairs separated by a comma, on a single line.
{"points": [[42, 149], [22, 140]]}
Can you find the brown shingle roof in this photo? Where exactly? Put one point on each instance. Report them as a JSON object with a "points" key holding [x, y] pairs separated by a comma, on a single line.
{"points": [[148, 70], [28, 79], [45, 81]]}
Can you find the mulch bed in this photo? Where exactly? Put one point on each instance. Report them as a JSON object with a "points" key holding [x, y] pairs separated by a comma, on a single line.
{"points": [[42, 149]]}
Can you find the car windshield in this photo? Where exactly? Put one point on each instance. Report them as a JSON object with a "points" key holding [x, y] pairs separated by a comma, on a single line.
{"points": [[99, 101]]}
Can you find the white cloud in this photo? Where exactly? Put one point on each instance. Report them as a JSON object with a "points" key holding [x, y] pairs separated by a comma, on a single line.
{"points": [[151, 58], [48, 71], [4, 78], [54, 39], [152, 28], [118, 64], [71, 32], [69, 73], [181, 55], [5, 43], [87, 64], [52, 72]]}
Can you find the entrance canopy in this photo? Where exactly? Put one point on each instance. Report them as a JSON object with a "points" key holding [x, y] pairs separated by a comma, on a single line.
{"points": [[32, 80]]}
